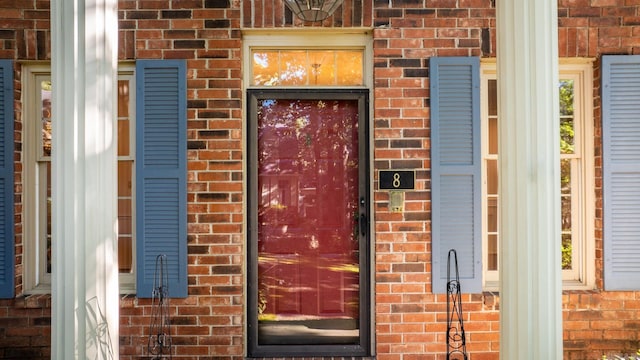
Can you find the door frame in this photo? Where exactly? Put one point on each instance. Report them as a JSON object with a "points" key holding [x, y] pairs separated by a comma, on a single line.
{"points": [[363, 348]]}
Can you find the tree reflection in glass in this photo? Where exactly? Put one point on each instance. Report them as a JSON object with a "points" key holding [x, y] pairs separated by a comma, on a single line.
{"points": [[307, 222]]}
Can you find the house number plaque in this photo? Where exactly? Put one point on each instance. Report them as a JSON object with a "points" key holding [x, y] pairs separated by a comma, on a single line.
{"points": [[396, 179]]}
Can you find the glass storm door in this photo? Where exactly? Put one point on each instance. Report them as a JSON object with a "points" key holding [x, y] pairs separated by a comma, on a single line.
{"points": [[309, 221]]}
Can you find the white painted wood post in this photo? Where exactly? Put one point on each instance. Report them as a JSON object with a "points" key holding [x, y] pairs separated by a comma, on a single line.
{"points": [[85, 296], [530, 267]]}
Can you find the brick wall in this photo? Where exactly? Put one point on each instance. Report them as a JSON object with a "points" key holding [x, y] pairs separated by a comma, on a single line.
{"points": [[409, 319]]}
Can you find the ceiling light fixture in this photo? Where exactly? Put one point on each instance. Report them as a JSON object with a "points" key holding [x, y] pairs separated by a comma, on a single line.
{"points": [[313, 10]]}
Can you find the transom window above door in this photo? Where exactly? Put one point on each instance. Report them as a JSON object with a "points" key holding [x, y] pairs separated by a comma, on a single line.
{"points": [[299, 67]]}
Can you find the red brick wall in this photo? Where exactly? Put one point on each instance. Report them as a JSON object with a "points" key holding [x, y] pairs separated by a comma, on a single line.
{"points": [[409, 320]]}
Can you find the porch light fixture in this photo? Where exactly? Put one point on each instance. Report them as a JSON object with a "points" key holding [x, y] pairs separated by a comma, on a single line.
{"points": [[313, 10]]}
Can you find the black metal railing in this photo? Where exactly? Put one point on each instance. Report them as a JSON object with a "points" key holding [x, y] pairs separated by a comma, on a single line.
{"points": [[456, 339], [160, 344]]}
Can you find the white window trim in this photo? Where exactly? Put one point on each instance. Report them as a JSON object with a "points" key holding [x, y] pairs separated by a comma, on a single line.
{"points": [[581, 71], [35, 280]]}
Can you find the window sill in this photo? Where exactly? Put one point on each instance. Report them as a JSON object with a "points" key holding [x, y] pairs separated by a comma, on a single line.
{"points": [[567, 285], [45, 289]]}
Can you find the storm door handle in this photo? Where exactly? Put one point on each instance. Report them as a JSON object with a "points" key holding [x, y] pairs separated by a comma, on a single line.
{"points": [[363, 224]]}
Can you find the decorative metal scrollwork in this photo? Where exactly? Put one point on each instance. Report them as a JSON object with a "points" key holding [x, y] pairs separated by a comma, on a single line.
{"points": [[456, 339], [160, 344]]}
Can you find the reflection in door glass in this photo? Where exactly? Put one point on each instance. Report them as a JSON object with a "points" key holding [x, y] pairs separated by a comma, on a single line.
{"points": [[308, 240]]}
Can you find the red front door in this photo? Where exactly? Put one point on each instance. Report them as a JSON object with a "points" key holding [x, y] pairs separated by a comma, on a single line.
{"points": [[307, 220]]}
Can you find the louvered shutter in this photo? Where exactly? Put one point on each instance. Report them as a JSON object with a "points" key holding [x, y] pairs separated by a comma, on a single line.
{"points": [[6, 180], [161, 170], [621, 171], [455, 170]]}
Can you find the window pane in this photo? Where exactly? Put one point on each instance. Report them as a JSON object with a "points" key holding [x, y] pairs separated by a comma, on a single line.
{"points": [[125, 215], [567, 126], [123, 137], [493, 97], [492, 256], [123, 98], [565, 211], [567, 135], [567, 252], [492, 214], [350, 68], [308, 68], [45, 97], [265, 68], [566, 97], [125, 235], [125, 178], [322, 67], [492, 177], [45, 194], [123, 118], [125, 254], [565, 177], [293, 68], [493, 136]]}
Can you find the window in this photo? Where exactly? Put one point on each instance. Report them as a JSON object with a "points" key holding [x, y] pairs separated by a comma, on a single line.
{"points": [[308, 209], [143, 193], [576, 178], [37, 148], [126, 179], [307, 68], [464, 128]]}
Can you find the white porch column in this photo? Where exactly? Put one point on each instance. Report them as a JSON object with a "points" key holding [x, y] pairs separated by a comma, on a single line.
{"points": [[530, 267], [85, 270]]}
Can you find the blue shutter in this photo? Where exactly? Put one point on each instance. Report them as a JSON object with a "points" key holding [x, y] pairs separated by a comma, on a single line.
{"points": [[621, 171], [455, 170], [161, 173], [6, 180]]}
